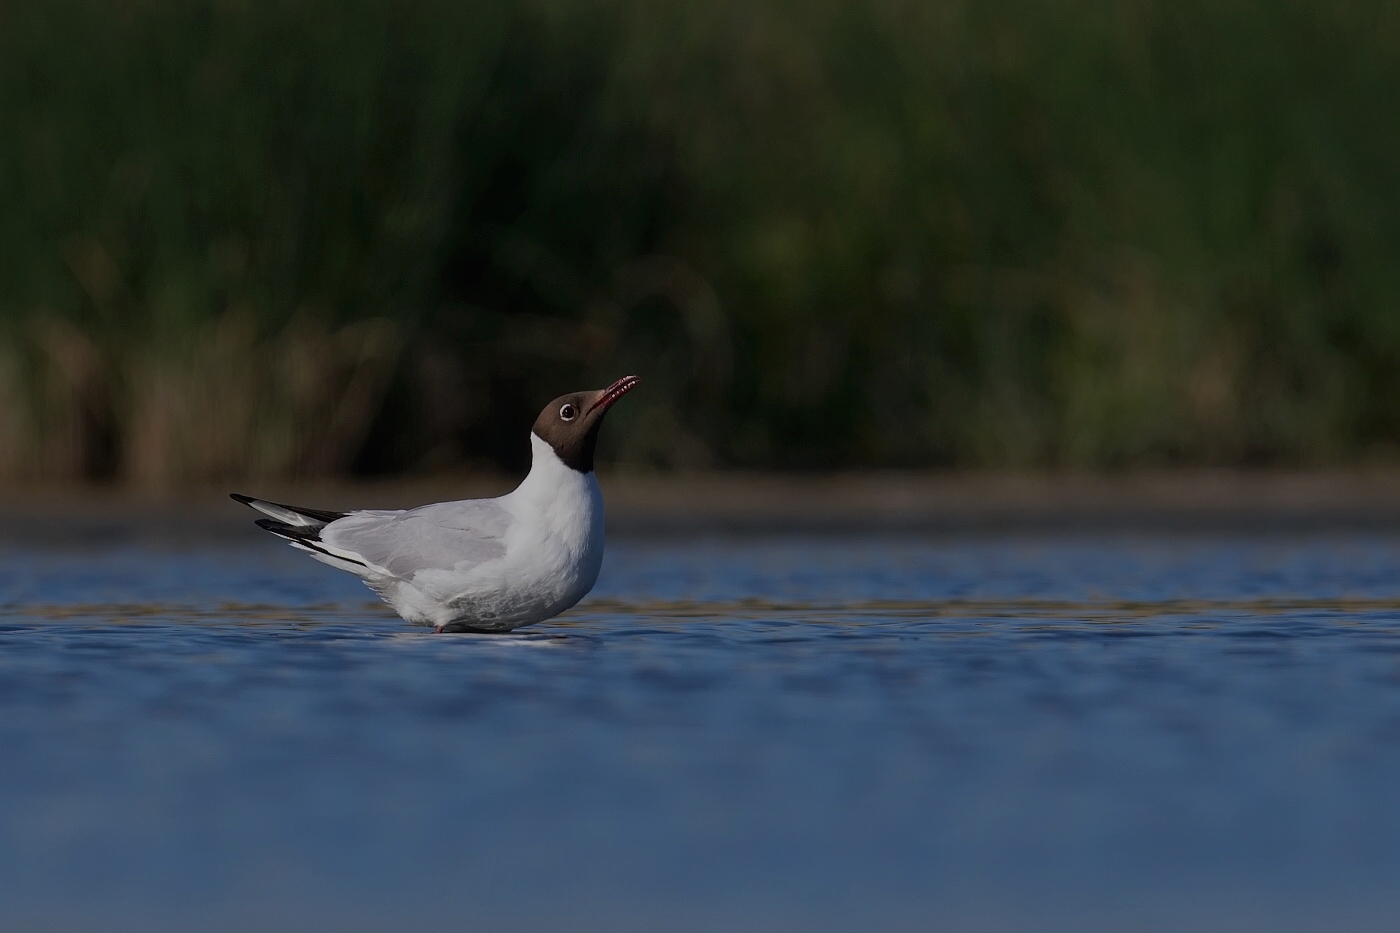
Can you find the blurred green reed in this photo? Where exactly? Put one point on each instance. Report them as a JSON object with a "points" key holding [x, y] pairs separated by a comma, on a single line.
{"points": [[291, 239]]}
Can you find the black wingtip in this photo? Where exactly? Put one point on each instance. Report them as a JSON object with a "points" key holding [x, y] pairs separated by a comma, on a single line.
{"points": [[287, 531], [324, 516], [306, 537]]}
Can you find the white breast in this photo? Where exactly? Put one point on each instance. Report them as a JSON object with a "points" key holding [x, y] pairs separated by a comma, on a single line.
{"points": [[554, 550]]}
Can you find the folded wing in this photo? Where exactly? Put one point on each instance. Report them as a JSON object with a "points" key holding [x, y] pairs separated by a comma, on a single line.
{"points": [[452, 536]]}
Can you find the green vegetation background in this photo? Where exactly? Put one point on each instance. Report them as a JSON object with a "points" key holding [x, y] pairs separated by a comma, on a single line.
{"points": [[292, 239]]}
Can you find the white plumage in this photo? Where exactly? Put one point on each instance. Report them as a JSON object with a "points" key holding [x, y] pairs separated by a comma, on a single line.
{"points": [[479, 564]]}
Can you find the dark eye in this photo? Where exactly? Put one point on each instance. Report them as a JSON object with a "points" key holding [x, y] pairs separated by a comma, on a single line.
{"points": [[567, 412]]}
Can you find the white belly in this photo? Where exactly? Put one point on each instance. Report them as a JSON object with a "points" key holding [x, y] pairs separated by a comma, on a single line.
{"points": [[554, 550], [518, 592]]}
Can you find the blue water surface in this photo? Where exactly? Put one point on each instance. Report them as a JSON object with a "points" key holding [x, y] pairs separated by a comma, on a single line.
{"points": [[1042, 732]]}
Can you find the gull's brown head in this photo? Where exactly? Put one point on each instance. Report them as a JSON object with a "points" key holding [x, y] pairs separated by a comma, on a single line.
{"points": [[570, 423]]}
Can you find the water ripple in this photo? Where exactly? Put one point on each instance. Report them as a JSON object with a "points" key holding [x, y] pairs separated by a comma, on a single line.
{"points": [[781, 736]]}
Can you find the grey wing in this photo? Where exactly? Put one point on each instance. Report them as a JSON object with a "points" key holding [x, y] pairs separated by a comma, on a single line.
{"points": [[448, 536]]}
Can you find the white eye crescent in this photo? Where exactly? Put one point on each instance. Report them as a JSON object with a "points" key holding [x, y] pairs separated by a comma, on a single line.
{"points": [[568, 412]]}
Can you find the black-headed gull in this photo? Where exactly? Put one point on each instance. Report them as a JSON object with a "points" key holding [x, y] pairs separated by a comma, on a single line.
{"points": [[487, 565]]}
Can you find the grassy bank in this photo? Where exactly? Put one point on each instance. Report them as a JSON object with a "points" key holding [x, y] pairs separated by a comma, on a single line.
{"points": [[302, 239]]}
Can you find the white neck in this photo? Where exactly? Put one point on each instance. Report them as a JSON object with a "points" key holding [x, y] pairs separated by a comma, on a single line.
{"points": [[549, 477], [561, 501]]}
